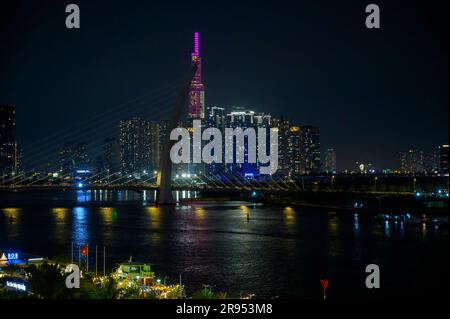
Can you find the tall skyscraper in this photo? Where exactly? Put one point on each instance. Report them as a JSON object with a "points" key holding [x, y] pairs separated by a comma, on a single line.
{"points": [[108, 161], [295, 157], [215, 117], [310, 149], [411, 162], [443, 155], [244, 119], [73, 157], [282, 126], [8, 145], [197, 91], [431, 161], [135, 150], [330, 161]]}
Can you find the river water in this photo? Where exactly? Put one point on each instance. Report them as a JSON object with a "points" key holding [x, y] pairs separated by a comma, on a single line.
{"points": [[280, 252]]}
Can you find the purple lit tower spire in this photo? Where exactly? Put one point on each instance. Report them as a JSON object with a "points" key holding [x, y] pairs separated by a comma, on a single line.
{"points": [[197, 90]]}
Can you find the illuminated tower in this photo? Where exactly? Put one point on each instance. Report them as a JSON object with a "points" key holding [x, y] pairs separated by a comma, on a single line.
{"points": [[197, 89]]}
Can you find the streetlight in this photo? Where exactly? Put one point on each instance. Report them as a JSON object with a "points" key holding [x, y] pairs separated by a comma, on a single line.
{"points": [[376, 178], [414, 187], [332, 182]]}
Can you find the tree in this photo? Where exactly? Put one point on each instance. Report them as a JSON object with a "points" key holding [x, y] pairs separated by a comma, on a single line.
{"points": [[47, 281], [203, 294], [221, 295]]}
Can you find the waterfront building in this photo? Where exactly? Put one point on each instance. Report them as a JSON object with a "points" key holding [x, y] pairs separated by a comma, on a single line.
{"points": [[72, 158], [283, 128], [294, 151], [411, 162], [310, 149], [330, 161], [136, 271], [244, 119], [443, 159], [8, 144], [215, 117], [135, 147]]}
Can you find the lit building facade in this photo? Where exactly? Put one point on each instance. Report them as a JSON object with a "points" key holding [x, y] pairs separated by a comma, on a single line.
{"points": [[8, 144], [245, 119], [72, 158], [295, 158], [330, 161], [135, 150], [282, 127], [215, 117], [310, 149], [196, 109], [443, 156], [411, 162]]}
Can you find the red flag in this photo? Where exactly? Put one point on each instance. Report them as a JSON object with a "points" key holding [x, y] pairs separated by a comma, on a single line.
{"points": [[324, 283], [84, 251]]}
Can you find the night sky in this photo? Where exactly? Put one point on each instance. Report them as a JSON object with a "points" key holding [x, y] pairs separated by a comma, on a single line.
{"points": [[372, 92]]}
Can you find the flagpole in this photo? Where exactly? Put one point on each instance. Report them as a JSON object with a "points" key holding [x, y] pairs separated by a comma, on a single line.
{"points": [[96, 259], [104, 258], [87, 258]]}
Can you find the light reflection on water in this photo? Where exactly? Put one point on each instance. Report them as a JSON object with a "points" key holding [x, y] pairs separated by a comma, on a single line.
{"points": [[80, 227], [214, 243]]}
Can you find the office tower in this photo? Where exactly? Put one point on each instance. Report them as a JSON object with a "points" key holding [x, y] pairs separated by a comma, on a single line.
{"points": [[411, 162], [295, 158], [154, 144], [8, 145], [73, 157], [135, 150], [196, 108], [330, 161], [109, 160], [215, 117], [81, 157], [431, 161], [443, 155], [66, 160], [282, 126], [310, 149], [240, 119]]}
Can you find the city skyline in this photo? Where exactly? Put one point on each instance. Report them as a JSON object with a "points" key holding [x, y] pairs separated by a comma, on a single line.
{"points": [[359, 118], [189, 151]]}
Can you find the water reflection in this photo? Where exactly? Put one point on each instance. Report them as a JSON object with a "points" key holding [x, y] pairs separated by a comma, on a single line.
{"points": [[200, 213], [80, 228], [245, 212], [155, 216], [11, 212], [60, 214], [108, 214], [387, 229], [83, 196], [289, 217], [356, 224]]}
